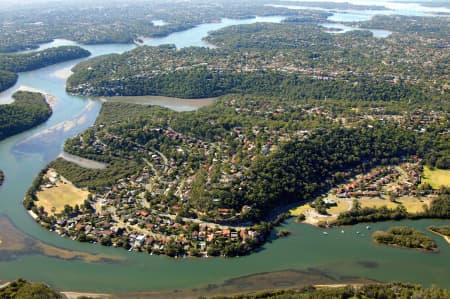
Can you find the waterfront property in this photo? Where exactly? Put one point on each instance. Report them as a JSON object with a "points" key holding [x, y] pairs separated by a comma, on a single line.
{"points": [[306, 248]]}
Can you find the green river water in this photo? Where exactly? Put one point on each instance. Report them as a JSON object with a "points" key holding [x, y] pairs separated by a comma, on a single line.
{"points": [[339, 255]]}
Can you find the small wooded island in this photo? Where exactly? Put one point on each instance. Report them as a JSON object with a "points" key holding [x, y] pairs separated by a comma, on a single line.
{"points": [[405, 237], [28, 110]]}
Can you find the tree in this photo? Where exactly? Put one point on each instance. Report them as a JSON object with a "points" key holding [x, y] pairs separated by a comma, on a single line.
{"points": [[199, 194], [301, 218], [36, 291]]}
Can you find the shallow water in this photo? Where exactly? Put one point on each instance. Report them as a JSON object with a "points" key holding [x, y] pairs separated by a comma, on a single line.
{"points": [[336, 254]]}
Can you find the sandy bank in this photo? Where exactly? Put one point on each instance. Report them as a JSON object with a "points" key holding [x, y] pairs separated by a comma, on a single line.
{"points": [[177, 104], [63, 74], [62, 127], [75, 295], [446, 238], [82, 162], [51, 100]]}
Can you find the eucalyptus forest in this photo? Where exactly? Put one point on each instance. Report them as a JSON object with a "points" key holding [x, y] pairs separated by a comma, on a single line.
{"points": [[335, 114], [11, 64], [29, 109], [300, 110]]}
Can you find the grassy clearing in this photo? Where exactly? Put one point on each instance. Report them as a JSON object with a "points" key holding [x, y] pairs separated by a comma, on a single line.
{"points": [[412, 204], [312, 217], [54, 199], [300, 209], [437, 177], [343, 205]]}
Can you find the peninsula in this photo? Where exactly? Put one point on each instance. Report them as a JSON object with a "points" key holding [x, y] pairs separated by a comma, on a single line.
{"points": [[28, 110], [196, 128], [11, 64], [206, 183], [297, 117], [443, 231]]}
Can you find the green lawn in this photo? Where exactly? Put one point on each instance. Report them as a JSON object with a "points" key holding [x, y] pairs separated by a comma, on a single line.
{"points": [[437, 177]]}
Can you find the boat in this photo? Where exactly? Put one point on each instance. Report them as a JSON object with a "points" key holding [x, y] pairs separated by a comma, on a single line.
{"points": [[368, 227], [325, 233], [342, 231]]}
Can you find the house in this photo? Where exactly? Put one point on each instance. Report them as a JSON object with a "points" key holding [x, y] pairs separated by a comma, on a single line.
{"points": [[224, 211], [244, 235], [329, 202], [246, 209], [140, 239], [226, 232]]}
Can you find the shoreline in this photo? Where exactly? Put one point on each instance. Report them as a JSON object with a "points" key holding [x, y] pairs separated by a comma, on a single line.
{"points": [[64, 126], [446, 238], [50, 99], [174, 103], [82, 162], [152, 269], [32, 214], [436, 250], [194, 293], [63, 74], [75, 295]]}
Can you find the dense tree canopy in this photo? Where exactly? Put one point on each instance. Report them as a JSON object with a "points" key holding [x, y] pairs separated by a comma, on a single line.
{"points": [[11, 64], [406, 237], [295, 59], [35, 60], [28, 110], [300, 169], [112, 75], [368, 291], [22, 289], [113, 23], [238, 173], [7, 80]]}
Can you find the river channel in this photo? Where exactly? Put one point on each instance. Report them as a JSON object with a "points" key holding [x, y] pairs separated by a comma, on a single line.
{"points": [[336, 256]]}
